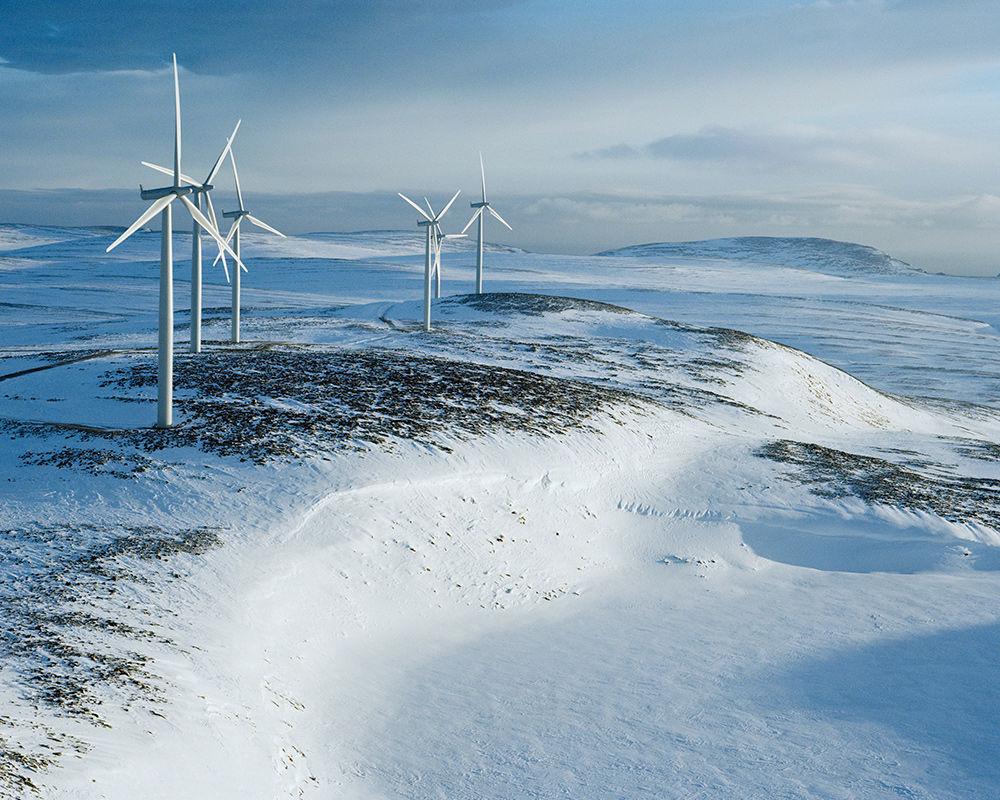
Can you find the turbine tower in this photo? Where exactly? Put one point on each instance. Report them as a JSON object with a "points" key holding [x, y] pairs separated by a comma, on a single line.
{"points": [[234, 236], [481, 208], [203, 189], [438, 242], [430, 224], [162, 204]]}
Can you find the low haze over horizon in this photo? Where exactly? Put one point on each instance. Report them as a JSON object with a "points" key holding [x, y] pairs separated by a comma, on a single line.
{"points": [[602, 125]]}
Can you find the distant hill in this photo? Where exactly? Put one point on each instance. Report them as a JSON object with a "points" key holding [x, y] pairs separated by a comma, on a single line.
{"points": [[405, 240], [14, 236], [820, 255]]}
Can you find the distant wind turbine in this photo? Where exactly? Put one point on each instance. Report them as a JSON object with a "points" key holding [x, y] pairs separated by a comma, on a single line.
{"points": [[481, 209], [438, 242], [203, 189], [234, 236], [431, 224], [163, 199]]}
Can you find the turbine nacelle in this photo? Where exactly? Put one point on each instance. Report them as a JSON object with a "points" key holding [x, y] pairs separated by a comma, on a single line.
{"points": [[156, 194]]}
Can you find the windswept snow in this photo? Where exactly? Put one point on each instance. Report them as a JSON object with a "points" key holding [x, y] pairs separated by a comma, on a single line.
{"points": [[18, 237], [645, 525]]}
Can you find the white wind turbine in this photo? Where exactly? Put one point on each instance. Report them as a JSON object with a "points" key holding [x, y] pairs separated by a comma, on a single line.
{"points": [[481, 209], [438, 242], [430, 223], [163, 199], [203, 189], [234, 236]]}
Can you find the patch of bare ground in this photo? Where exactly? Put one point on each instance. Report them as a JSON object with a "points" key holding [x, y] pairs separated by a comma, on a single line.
{"points": [[915, 486]]}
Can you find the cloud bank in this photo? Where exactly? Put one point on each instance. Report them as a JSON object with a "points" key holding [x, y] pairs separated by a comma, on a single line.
{"points": [[870, 120]]}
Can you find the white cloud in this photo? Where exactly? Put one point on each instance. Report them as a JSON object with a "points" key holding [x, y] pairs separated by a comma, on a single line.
{"points": [[791, 148]]}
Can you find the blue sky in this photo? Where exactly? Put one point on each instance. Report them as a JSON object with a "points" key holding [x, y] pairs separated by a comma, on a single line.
{"points": [[603, 123]]}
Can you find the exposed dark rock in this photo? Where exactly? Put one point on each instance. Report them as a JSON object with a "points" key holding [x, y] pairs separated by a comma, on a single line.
{"points": [[532, 304], [835, 473], [94, 461], [266, 405]]}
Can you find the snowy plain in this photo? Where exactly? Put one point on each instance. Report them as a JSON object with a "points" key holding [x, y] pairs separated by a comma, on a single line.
{"points": [[712, 520]]}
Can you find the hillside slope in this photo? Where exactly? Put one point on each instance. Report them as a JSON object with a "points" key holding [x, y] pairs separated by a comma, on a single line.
{"points": [[821, 255], [557, 546]]}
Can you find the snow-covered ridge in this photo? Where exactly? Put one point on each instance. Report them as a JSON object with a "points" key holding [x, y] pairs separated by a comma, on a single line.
{"points": [[348, 245], [820, 255], [585, 538], [529, 452]]}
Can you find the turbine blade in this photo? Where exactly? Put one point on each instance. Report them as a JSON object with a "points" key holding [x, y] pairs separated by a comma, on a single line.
{"points": [[158, 168], [419, 209], [445, 209], [499, 218], [429, 206], [475, 216], [202, 220], [222, 156], [482, 171], [232, 229], [229, 238], [226, 269], [185, 178], [215, 221], [146, 216], [177, 126], [211, 210], [236, 177], [264, 226]]}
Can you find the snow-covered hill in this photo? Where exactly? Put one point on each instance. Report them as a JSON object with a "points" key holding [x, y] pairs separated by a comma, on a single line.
{"points": [[821, 255], [363, 244], [587, 538]]}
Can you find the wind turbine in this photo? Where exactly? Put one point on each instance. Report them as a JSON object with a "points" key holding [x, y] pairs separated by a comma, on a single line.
{"points": [[481, 209], [430, 223], [203, 189], [234, 236], [439, 239], [163, 199]]}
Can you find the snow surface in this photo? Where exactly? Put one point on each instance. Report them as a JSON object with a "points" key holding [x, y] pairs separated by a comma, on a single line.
{"points": [[821, 255], [586, 539]]}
